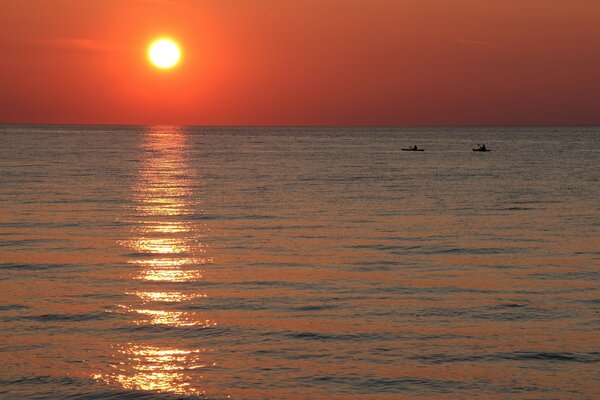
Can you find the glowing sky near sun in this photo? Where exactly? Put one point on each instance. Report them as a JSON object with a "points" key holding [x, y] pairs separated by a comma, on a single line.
{"points": [[399, 62]]}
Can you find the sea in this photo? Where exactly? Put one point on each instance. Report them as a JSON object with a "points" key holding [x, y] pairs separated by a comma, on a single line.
{"points": [[299, 263]]}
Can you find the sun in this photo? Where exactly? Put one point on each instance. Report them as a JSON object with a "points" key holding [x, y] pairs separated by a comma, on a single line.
{"points": [[164, 53]]}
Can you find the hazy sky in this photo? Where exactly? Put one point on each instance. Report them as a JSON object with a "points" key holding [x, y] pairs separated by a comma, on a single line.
{"points": [[302, 62]]}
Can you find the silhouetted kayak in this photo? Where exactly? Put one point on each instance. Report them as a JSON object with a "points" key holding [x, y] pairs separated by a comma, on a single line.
{"points": [[412, 149], [481, 150]]}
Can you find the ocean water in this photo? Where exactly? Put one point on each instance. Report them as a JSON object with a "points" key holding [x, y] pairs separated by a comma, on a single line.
{"points": [[299, 263]]}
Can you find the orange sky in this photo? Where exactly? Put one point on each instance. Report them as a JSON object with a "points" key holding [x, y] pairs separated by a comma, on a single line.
{"points": [[302, 62]]}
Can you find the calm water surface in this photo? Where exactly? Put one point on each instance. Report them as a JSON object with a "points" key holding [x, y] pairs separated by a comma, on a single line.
{"points": [[253, 263]]}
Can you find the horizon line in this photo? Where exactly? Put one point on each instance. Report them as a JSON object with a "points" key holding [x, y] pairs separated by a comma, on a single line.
{"points": [[302, 125]]}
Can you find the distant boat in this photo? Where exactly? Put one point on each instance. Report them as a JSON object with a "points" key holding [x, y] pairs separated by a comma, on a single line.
{"points": [[481, 148], [413, 149]]}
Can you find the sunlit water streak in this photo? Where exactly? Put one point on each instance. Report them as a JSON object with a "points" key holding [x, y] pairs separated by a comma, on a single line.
{"points": [[254, 263], [155, 369], [160, 247]]}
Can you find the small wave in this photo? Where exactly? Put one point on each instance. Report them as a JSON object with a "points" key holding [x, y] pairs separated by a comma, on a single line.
{"points": [[13, 348], [298, 285], [228, 304], [481, 250], [230, 217], [170, 331], [521, 313], [9, 307], [404, 249], [456, 289], [571, 275], [313, 307], [287, 227], [508, 305], [26, 242], [370, 384], [38, 224], [383, 247], [34, 267], [593, 357], [43, 379], [72, 388], [376, 265], [67, 317], [351, 337], [372, 268]]}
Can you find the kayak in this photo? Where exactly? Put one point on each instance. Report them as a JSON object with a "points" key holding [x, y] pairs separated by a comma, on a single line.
{"points": [[481, 150], [412, 149]]}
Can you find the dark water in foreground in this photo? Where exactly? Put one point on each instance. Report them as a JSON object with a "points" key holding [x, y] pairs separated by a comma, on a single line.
{"points": [[299, 263]]}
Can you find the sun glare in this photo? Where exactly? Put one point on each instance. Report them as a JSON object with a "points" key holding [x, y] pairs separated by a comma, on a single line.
{"points": [[164, 53]]}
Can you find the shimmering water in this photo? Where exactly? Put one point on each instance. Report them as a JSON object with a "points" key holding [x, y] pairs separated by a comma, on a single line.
{"points": [[301, 263]]}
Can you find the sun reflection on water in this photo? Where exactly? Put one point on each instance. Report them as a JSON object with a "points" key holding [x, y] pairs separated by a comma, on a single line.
{"points": [[173, 318], [159, 246], [167, 227], [158, 369], [168, 317], [166, 297], [169, 275], [166, 249]]}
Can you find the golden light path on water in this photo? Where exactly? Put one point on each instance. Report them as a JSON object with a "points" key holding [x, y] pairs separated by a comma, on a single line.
{"points": [[157, 369], [165, 297], [166, 251]]}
